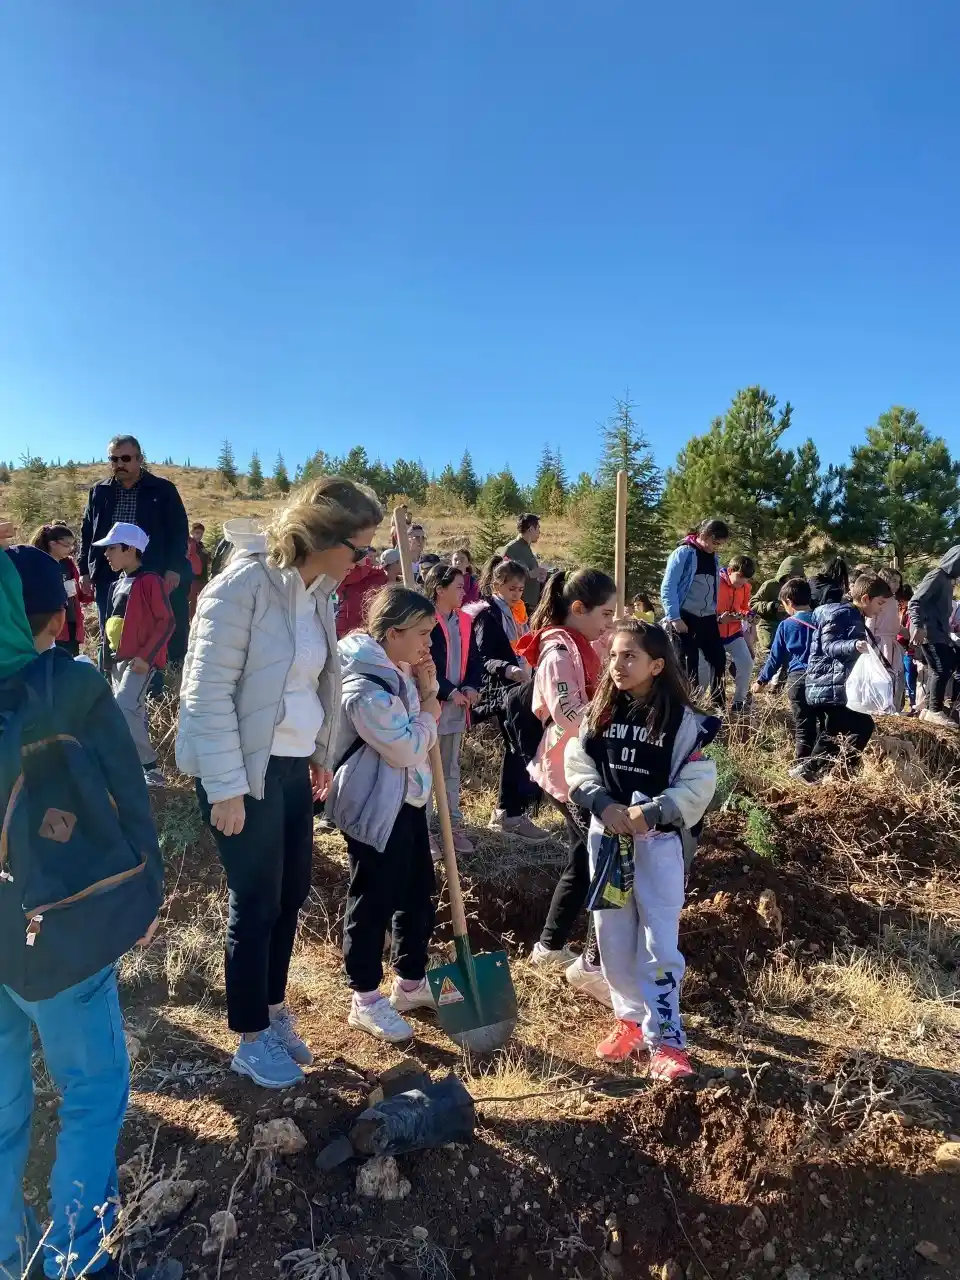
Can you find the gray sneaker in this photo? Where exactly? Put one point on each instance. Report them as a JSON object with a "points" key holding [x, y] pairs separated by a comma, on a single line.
{"points": [[154, 778], [283, 1028], [525, 829], [266, 1062]]}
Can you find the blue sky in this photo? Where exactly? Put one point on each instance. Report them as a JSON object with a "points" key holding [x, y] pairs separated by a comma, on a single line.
{"points": [[422, 225]]}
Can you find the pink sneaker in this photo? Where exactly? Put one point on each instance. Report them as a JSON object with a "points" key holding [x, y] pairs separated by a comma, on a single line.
{"points": [[670, 1064], [625, 1039]]}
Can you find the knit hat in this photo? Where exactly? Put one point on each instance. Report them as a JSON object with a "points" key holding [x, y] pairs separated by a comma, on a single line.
{"points": [[41, 579]]}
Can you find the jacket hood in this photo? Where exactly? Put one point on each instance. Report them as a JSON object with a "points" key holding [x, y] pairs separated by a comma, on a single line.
{"points": [[361, 655], [534, 644], [361, 572], [950, 564], [16, 642], [245, 536], [791, 567]]}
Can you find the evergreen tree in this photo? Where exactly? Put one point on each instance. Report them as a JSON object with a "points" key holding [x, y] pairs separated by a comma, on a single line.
{"points": [[548, 495], [281, 480], [255, 476], [625, 448], [446, 482], [4, 473], [468, 486], [900, 490], [321, 464], [356, 465], [501, 487], [227, 463], [738, 472], [410, 480], [490, 534]]}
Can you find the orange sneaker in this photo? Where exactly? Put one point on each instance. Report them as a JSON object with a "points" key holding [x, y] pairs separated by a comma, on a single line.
{"points": [[625, 1039], [670, 1064]]}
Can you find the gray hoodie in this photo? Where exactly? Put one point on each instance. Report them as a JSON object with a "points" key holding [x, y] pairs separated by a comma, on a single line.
{"points": [[933, 599], [392, 765]]}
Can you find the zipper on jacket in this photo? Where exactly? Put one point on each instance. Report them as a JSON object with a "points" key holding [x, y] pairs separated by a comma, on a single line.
{"points": [[35, 917]]}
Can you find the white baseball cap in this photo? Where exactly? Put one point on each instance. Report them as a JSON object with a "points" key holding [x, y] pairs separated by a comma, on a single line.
{"points": [[129, 535]]}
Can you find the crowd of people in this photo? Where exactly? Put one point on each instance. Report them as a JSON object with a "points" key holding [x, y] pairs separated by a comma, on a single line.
{"points": [[314, 685]]}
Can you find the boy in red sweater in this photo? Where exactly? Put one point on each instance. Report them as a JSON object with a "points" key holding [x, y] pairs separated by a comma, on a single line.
{"points": [[138, 627]]}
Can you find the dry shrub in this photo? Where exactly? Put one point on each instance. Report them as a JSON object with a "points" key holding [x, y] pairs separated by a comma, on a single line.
{"points": [[782, 986]]}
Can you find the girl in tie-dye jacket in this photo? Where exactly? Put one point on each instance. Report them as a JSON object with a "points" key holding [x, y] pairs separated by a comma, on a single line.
{"points": [[378, 800]]}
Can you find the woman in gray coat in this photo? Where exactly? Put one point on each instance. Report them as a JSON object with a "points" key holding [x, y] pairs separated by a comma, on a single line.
{"points": [[259, 706]]}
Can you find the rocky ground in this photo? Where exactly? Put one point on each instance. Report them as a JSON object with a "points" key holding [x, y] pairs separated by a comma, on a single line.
{"points": [[822, 934]]}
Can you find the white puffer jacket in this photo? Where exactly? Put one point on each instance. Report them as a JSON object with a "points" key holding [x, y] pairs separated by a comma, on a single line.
{"points": [[240, 654]]}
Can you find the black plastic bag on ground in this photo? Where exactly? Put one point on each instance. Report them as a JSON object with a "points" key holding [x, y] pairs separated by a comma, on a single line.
{"points": [[441, 1112]]}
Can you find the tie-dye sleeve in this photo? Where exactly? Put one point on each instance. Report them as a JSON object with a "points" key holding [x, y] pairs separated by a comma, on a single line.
{"points": [[403, 738]]}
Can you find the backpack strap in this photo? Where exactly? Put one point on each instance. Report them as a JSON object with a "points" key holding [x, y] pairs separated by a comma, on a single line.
{"points": [[357, 743]]}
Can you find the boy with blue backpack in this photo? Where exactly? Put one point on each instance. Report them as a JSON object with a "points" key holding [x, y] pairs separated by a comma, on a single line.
{"points": [[81, 882]]}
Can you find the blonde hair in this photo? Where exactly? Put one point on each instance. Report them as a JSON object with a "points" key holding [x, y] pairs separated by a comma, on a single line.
{"points": [[396, 606], [319, 516]]}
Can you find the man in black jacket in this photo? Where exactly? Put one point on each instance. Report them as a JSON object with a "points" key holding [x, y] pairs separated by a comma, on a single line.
{"points": [[136, 496]]}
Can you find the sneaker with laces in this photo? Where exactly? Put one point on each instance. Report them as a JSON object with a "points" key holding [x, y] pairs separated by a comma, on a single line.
{"points": [[939, 718], [670, 1064], [525, 829], [420, 998], [551, 958], [266, 1062], [461, 841], [379, 1020], [285, 1031], [589, 980], [624, 1040], [154, 778]]}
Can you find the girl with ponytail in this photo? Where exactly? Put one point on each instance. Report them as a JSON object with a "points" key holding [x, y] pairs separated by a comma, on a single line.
{"points": [[575, 612]]}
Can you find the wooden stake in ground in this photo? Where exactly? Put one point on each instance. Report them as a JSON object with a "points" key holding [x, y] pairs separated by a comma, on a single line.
{"points": [[476, 1000], [620, 544]]}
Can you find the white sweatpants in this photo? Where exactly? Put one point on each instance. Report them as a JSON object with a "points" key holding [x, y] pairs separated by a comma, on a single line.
{"points": [[639, 952]]}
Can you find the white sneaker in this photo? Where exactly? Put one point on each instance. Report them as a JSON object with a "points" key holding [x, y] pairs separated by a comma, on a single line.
{"points": [[939, 718], [379, 1020], [590, 981], [420, 998], [544, 958]]}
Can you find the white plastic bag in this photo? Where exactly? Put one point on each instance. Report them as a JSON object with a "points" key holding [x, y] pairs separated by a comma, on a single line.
{"points": [[870, 687]]}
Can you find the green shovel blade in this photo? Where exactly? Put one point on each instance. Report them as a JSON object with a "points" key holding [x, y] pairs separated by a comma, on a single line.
{"points": [[476, 1002]]}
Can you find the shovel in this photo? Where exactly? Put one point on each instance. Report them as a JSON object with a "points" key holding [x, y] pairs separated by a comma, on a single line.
{"points": [[476, 1002]]}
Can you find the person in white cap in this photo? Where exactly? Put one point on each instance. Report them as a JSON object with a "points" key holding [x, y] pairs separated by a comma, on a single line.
{"points": [[137, 629]]}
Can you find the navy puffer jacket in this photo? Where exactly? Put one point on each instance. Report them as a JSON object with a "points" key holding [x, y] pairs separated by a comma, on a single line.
{"points": [[833, 652]]}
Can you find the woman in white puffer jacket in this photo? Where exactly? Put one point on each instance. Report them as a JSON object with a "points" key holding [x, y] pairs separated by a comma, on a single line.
{"points": [[259, 705]]}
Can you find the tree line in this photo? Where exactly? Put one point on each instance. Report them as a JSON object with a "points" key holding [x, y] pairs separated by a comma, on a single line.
{"points": [[897, 498]]}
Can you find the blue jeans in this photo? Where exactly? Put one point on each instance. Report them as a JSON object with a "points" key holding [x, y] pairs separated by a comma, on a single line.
{"points": [[910, 675], [81, 1034]]}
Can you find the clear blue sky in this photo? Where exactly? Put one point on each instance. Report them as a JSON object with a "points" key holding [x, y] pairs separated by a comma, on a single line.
{"points": [[425, 224]]}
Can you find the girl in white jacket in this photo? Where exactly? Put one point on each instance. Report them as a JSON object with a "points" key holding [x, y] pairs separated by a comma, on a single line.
{"points": [[637, 767], [259, 707]]}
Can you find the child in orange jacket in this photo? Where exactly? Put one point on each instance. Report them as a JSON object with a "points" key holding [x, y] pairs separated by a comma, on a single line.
{"points": [[733, 613]]}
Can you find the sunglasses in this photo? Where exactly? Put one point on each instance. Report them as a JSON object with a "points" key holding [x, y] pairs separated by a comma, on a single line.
{"points": [[359, 553], [121, 457]]}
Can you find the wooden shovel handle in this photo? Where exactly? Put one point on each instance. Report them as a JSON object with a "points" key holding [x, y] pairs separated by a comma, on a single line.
{"points": [[620, 544], [457, 913]]}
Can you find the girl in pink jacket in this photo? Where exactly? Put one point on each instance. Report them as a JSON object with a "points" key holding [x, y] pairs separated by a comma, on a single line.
{"points": [[575, 612]]}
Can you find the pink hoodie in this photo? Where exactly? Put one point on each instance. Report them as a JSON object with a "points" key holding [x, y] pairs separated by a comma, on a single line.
{"points": [[560, 696]]}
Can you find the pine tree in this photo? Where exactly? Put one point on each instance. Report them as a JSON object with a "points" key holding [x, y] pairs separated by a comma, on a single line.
{"points": [[468, 485], [625, 448], [900, 491], [410, 480], [281, 481], [502, 488], [255, 476], [738, 472], [490, 534], [227, 463], [4, 473]]}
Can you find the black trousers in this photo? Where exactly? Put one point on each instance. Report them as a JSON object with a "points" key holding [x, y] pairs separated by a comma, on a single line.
{"points": [[396, 888], [807, 720], [517, 790], [842, 728], [571, 891], [180, 604], [268, 868], [941, 660], [703, 636]]}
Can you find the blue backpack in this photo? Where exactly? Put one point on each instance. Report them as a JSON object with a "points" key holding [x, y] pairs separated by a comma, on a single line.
{"points": [[76, 891]]}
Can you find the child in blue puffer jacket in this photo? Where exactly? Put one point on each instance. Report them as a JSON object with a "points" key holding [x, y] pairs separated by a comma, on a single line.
{"points": [[840, 636]]}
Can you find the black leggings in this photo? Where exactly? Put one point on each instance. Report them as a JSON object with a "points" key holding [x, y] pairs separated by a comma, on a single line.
{"points": [[703, 636], [268, 868], [390, 890], [571, 891], [517, 790]]}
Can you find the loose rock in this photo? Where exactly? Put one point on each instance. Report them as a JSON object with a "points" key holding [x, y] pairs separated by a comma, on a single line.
{"points": [[164, 1202], [379, 1178], [948, 1157], [932, 1252], [281, 1137], [796, 1272], [754, 1225], [223, 1231], [671, 1270], [769, 912]]}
